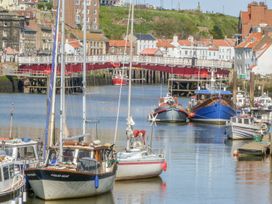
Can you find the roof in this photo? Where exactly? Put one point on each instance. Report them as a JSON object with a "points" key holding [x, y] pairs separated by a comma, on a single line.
{"points": [[165, 43], [145, 37], [89, 36], [149, 51], [213, 92], [118, 43], [74, 43], [222, 43], [184, 42], [10, 51], [251, 41]]}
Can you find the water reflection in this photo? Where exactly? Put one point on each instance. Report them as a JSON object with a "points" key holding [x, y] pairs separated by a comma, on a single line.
{"points": [[216, 133], [139, 191], [254, 181], [101, 199]]}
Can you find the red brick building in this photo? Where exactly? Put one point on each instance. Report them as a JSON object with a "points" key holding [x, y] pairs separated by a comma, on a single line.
{"points": [[74, 13], [257, 14]]}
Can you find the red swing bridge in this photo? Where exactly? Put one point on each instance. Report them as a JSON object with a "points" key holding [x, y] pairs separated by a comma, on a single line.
{"points": [[181, 73]]}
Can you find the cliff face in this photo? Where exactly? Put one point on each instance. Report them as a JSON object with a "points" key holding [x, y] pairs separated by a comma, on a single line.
{"points": [[166, 23]]}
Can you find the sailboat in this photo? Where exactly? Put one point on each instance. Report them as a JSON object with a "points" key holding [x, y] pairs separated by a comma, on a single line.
{"points": [[73, 168], [137, 160]]}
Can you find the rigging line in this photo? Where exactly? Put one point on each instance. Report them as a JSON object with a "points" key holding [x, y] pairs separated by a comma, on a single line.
{"points": [[122, 72]]}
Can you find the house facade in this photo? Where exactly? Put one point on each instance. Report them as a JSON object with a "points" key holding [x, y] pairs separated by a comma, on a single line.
{"points": [[143, 41], [254, 54], [10, 30]]}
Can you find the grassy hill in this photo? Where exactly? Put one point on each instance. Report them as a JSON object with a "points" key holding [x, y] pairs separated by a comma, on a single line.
{"points": [[166, 23]]}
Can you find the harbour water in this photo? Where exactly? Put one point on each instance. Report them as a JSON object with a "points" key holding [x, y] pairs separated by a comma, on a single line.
{"points": [[201, 168]]}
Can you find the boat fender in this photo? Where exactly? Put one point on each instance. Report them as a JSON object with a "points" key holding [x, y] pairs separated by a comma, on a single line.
{"points": [[164, 166], [96, 181], [191, 115], [235, 153]]}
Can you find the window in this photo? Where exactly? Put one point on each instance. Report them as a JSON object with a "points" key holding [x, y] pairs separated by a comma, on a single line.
{"points": [[246, 121], [11, 171], [68, 155], [84, 153], [6, 172], [26, 153], [5, 34]]}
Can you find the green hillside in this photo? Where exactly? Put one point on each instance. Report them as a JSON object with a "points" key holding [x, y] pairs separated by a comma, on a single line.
{"points": [[166, 23]]}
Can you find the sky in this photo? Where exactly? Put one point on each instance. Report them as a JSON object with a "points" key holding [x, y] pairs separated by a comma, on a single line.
{"points": [[229, 7]]}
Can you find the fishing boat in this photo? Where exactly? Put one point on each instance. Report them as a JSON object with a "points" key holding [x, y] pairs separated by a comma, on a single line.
{"points": [[263, 102], [86, 169], [246, 127], [11, 183], [119, 78], [137, 160], [242, 100], [23, 151], [72, 168], [169, 110], [212, 105]]}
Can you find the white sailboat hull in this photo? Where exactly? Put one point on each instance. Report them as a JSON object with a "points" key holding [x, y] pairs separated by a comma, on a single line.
{"points": [[54, 189], [142, 167]]}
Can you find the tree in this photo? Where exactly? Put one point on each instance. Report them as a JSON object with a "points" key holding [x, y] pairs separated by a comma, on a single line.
{"points": [[217, 32]]}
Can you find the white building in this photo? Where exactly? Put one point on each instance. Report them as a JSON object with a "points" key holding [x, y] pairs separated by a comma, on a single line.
{"points": [[144, 41], [210, 49], [112, 2], [254, 54]]}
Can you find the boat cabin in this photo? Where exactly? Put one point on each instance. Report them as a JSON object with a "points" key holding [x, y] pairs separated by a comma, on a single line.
{"points": [[6, 172], [247, 120], [23, 151], [205, 94], [83, 156]]}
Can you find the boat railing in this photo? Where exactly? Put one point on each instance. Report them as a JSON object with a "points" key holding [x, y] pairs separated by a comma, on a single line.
{"points": [[17, 182]]}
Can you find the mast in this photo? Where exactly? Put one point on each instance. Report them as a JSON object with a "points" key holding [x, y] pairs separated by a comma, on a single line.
{"points": [[129, 118], [84, 70], [50, 120], [62, 85]]}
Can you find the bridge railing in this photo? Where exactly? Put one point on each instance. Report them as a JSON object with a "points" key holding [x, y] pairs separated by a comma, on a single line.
{"points": [[167, 61]]}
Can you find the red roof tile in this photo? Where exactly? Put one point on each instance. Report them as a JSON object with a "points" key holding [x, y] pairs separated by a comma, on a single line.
{"points": [[10, 51], [74, 43], [149, 51], [164, 43], [184, 42], [251, 41], [118, 43]]}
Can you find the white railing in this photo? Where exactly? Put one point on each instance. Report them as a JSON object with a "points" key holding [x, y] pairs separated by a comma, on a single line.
{"points": [[166, 61]]}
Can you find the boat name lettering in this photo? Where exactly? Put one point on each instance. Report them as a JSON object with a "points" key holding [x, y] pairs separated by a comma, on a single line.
{"points": [[59, 175], [33, 174]]}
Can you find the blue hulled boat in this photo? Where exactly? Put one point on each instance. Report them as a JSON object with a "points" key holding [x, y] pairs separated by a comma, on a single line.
{"points": [[213, 106]]}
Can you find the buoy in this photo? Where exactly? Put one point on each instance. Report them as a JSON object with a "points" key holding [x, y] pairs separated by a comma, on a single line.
{"points": [[96, 181], [164, 166], [235, 153]]}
